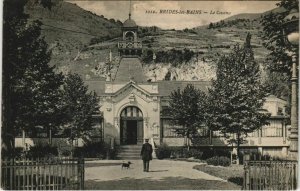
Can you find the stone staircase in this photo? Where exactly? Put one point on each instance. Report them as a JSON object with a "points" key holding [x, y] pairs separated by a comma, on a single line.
{"points": [[129, 152]]}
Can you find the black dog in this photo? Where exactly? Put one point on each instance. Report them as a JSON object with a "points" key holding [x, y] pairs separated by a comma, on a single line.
{"points": [[126, 165]]}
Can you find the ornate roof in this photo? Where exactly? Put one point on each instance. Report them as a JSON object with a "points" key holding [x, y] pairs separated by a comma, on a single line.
{"points": [[129, 23]]}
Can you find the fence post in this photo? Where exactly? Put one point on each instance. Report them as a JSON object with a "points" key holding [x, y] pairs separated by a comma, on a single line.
{"points": [[80, 164], [246, 176]]}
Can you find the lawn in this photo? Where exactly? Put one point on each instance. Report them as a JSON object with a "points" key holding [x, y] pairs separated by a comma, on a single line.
{"points": [[233, 173]]}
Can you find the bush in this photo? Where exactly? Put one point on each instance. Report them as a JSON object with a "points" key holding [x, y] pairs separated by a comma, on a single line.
{"points": [[163, 151], [236, 180], [211, 152], [218, 161], [112, 153], [197, 154], [92, 150], [40, 151], [16, 153]]}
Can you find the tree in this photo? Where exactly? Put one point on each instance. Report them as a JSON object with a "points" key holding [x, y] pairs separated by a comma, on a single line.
{"points": [[236, 98], [79, 105], [187, 110], [210, 26], [274, 38], [279, 59], [30, 86]]}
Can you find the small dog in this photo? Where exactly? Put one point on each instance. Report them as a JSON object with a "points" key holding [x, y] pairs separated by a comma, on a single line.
{"points": [[126, 165]]}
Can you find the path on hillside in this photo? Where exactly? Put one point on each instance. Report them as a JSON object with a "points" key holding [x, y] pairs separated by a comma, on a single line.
{"points": [[163, 175]]}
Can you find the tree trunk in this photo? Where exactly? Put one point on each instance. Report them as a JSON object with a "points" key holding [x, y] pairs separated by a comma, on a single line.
{"points": [[50, 136], [188, 140], [238, 148]]}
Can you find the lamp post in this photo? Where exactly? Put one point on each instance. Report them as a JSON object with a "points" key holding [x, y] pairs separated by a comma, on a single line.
{"points": [[292, 33]]}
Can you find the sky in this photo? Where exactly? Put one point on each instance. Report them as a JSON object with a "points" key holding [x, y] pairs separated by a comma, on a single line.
{"points": [[216, 11]]}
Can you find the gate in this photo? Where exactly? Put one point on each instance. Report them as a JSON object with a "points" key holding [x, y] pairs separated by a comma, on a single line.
{"points": [[42, 174], [270, 175]]}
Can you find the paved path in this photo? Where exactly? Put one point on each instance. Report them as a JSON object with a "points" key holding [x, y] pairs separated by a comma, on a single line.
{"points": [[164, 174]]}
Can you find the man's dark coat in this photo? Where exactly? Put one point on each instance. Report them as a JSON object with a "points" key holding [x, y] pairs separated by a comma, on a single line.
{"points": [[146, 152]]}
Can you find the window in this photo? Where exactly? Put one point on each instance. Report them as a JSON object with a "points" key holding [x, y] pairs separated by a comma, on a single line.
{"points": [[280, 111], [203, 132], [253, 134], [274, 129], [169, 128]]}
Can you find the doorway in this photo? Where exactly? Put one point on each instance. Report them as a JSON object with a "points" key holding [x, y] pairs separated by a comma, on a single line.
{"points": [[131, 129]]}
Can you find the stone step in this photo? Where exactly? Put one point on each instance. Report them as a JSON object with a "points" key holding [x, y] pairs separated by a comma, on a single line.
{"points": [[129, 158], [129, 152], [131, 146]]}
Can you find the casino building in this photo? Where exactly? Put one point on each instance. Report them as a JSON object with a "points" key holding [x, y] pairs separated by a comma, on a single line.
{"points": [[133, 108]]}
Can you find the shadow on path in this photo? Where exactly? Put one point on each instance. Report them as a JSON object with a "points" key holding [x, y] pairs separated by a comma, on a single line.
{"points": [[158, 170], [167, 183]]}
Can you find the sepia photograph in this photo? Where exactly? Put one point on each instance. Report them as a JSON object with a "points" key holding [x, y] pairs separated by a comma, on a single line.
{"points": [[149, 95]]}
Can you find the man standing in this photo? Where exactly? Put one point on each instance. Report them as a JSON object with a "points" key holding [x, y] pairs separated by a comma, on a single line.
{"points": [[146, 154]]}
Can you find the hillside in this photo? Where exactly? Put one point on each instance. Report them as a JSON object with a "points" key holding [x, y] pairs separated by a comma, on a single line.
{"points": [[250, 16], [68, 28], [86, 51]]}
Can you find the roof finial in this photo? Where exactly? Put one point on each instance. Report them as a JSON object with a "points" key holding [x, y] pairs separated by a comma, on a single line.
{"points": [[130, 9]]}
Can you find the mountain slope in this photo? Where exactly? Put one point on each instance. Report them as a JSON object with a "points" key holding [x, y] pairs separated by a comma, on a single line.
{"points": [[68, 28], [81, 41]]}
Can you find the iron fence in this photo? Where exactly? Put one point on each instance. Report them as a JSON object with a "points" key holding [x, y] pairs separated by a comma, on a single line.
{"points": [[42, 174], [270, 175]]}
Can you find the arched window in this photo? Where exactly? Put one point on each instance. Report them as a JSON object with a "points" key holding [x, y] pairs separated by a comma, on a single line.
{"points": [[131, 112], [129, 36]]}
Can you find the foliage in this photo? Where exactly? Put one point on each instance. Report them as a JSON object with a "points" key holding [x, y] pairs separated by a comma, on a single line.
{"points": [[196, 153], [236, 180], [218, 161], [148, 31], [17, 152], [274, 38], [237, 95], [211, 152], [189, 31], [40, 151], [112, 153], [173, 56], [92, 150], [78, 105], [147, 56], [265, 157], [236, 22], [30, 87], [277, 83], [183, 152], [163, 151], [187, 109]]}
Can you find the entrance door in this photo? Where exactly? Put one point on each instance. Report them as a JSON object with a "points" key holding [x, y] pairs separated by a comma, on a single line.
{"points": [[131, 129], [131, 132]]}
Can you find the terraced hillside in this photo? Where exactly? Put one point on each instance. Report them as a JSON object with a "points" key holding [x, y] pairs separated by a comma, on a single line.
{"points": [[81, 42]]}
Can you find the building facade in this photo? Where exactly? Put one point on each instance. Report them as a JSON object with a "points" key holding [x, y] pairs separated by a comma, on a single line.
{"points": [[133, 108]]}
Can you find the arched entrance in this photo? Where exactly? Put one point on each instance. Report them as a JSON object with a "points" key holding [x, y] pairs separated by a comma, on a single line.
{"points": [[131, 129]]}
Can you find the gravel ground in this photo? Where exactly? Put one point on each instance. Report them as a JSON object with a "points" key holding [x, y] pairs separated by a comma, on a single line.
{"points": [[163, 175]]}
